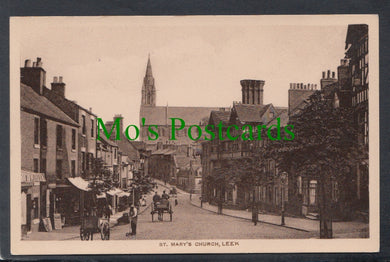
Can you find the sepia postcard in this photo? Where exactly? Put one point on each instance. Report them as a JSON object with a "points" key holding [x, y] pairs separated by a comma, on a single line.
{"points": [[194, 134]]}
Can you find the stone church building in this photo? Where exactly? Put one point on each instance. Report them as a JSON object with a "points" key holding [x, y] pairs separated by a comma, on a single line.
{"points": [[160, 116]]}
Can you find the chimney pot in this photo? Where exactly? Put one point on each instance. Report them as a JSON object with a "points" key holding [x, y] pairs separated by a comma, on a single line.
{"points": [[328, 73], [323, 74], [333, 74], [60, 79], [90, 109], [34, 64], [27, 63], [39, 62], [55, 79]]}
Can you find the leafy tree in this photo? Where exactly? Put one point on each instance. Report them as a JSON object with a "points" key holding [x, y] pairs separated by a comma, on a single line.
{"points": [[324, 148]]}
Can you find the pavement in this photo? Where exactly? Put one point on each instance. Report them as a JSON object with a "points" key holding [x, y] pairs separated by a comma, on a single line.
{"points": [[72, 232], [349, 229], [190, 221]]}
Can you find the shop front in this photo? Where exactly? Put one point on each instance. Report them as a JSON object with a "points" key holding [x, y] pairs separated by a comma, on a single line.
{"points": [[113, 198], [69, 201], [32, 194]]}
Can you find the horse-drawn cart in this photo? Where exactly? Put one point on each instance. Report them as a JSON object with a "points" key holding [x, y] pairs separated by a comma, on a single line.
{"points": [[94, 224], [161, 207]]}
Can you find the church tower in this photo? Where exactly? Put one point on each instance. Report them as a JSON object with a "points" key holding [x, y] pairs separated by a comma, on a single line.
{"points": [[148, 88]]}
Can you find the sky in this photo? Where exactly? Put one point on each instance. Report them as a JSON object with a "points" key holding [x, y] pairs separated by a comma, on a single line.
{"points": [[196, 61]]}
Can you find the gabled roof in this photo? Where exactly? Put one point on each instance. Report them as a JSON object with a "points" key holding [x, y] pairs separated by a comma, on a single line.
{"points": [[217, 116], [33, 102], [160, 115], [250, 113], [282, 114], [355, 32]]}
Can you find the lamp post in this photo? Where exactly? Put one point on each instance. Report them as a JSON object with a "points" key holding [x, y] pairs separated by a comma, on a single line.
{"points": [[283, 178]]}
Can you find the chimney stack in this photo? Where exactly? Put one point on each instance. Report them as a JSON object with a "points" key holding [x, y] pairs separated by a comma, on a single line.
{"points": [[120, 123], [298, 92], [58, 87], [33, 76], [330, 79], [252, 91]]}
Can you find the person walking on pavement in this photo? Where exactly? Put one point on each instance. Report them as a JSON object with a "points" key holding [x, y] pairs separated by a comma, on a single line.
{"points": [[133, 219]]}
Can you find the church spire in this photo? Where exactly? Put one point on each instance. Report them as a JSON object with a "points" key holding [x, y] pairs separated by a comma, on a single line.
{"points": [[149, 68], [148, 88]]}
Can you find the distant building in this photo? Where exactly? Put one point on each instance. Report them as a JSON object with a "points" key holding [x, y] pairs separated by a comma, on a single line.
{"points": [[189, 176], [160, 115], [216, 153]]}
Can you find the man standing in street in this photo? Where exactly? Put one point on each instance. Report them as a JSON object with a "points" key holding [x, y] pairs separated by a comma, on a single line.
{"points": [[156, 197], [133, 219]]}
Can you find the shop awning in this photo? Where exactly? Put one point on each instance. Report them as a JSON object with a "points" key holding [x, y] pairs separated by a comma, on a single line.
{"points": [[29, 178], [123, 194], [114, 191], [101, 195], [79, 183]]}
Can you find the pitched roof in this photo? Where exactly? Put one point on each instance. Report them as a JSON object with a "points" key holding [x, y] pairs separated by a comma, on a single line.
{"points": [[282, 114], [160, 115], [354, 32], [32, 101], [128, 148], [104, 139], [251, 113], [218, 116], [166, 151], [140, 145]]}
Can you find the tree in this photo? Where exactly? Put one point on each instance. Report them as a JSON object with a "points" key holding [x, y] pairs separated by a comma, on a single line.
{"points": [[324, 149]]}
